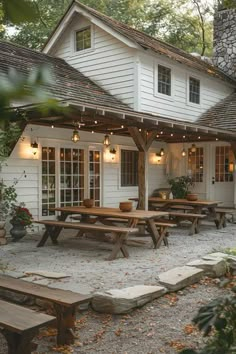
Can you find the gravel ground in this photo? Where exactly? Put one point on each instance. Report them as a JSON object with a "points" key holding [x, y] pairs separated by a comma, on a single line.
{"points": [[158, 327]]}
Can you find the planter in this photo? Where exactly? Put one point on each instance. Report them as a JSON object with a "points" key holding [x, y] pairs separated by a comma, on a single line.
{"points": [[88, 203], [3, 240], [192, 197], [126, 206], [18, 231]]}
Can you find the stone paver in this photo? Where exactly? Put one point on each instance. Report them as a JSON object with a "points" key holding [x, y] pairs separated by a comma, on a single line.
{"points": [[119, 301], [212, 267], [46, 274], [180, 277]]}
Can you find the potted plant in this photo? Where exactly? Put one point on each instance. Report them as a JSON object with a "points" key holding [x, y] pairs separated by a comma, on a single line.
{"points": [[7, 198], [21, 218], [180, 187]]}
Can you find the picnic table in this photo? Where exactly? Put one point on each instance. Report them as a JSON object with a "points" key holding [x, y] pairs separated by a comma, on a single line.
{"points": [[91, 216]]}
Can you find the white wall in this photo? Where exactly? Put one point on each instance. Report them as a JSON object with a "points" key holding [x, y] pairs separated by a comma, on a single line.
{"points": [[177, 106], [110, 63], [23, 162]]}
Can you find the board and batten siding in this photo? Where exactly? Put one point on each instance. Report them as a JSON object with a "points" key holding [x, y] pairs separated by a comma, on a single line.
{"points": [[109, 62], [26, 168], [177, 106]]}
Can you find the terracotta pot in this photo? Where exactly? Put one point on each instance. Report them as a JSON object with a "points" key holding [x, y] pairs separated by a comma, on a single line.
{"points": [[88, 203], [192, 197], [126, 206]]}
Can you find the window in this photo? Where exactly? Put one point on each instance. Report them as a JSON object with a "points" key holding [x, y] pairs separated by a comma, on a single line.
{"points": [[48, 180], [164, 80], [129, 168], [194, 90], [83, 39], [195, 164], [224, 166], [94, 175]]}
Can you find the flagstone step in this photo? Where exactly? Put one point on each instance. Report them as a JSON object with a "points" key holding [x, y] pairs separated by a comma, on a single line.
{"points": [[180, 277], [214, 268]]}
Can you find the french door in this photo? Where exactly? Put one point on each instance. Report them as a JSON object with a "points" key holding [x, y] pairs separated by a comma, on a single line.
{"points": [[69, 175], [222, 183]]}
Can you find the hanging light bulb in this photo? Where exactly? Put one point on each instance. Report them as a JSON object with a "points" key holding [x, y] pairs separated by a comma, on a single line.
{"points": [[183, 153], [193, 148], [162, 152], [75, 136], [106, 140]]}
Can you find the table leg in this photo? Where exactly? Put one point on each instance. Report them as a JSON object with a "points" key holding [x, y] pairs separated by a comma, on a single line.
{"points": [[119, 246], [162, 236], [153, 231], [52, 232], [194, 229]]}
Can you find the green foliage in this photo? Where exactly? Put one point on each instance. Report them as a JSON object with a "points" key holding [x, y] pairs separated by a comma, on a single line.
{"points": [[180, 186], [20, 215], [217, 319], [173, 21], [7, 199]]}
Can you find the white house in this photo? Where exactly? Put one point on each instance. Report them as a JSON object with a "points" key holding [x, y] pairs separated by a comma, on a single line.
{"points": [[136, 81]]}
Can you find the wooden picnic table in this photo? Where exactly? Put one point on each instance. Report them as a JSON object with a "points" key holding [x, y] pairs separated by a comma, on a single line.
{"points": [[102, 214]]}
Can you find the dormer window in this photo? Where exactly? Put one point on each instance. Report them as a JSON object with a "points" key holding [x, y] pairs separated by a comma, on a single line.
{"points": [[164, 80], [83, 39], [194, 90]]}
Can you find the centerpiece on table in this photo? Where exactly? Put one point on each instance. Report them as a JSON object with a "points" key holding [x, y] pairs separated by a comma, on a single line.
{"points": [[180, 188], [20, 219]]}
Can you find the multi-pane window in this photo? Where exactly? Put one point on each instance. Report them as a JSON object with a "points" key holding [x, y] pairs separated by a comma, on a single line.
{"points": [[83, 39], [224, 165], [129, 168], [195, 164], [48, 180], [71, 177], [164, 80], [94, 175], [194, 90]]}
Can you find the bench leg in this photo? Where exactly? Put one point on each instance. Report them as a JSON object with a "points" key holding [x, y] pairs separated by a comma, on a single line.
{"points": [[20, 343], [66, 317], [162, 236], [119, 246], [221, 221], [194, 229], [52, 232], [151, 226]]}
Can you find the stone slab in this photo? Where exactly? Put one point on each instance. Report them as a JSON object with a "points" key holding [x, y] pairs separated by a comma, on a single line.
{"points": [[214, 268], [46, 274], [13, 273], [219, 255], [231, 260], [76, 287], [180, 277], [118, 301]]}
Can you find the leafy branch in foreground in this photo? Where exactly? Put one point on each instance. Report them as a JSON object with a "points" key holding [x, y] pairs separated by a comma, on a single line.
{"points": [[218, 320]]}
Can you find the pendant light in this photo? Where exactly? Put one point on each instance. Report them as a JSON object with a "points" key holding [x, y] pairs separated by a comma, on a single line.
{"points": [[162, 152], [106, 140], [75, 136], [193, 148], [183, 153]]}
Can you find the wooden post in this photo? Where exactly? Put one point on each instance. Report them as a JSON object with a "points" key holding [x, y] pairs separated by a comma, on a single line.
{"points": [[143, 141], [233, 147]]}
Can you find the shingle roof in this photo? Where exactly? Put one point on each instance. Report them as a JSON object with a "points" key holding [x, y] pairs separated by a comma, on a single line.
{"points": [[222, 115], [156, 45], [68, 83]]}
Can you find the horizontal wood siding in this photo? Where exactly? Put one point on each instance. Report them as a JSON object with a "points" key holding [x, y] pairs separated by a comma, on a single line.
{"points": [[110, 63], [178, 107]]}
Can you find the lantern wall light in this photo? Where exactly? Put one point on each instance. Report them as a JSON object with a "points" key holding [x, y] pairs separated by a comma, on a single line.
{"points": [[34, 147], [106, 141], [75, 136]]}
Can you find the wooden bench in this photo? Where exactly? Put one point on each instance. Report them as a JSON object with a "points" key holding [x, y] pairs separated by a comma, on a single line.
{"points": [[64, 302], [194, 218], [53, 229], [20, 325], [221, 216], [162, 227], [185, 208]]}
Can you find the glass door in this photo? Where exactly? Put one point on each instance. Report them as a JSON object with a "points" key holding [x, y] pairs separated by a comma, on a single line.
{"points": [[95, 176], [48, 180]]}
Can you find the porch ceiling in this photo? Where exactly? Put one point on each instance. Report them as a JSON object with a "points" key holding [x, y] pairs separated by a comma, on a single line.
{"points": [[105, 120]]}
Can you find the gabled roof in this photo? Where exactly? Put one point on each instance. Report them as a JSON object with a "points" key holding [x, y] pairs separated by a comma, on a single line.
{"points": [[150, 43], [222, 115], [68, 83]]}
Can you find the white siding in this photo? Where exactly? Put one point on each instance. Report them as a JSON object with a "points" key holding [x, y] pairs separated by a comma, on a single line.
{"points": [[177, 106], [22, 162], [110, 63]]}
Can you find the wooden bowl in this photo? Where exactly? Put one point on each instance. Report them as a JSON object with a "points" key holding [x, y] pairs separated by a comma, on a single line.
{"points": [[192, 197], [126, 206], [88, 203]]}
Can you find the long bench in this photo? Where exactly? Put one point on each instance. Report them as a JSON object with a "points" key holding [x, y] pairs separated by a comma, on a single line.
{"points": [[65, 303], [53, 229], [20, 325], [193, 218]]}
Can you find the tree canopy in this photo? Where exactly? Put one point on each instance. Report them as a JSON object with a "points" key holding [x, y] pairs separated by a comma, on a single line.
{"points": [[175, 21]]}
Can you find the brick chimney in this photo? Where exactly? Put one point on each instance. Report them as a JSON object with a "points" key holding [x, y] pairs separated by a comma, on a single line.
{"points": [[224, 52]]}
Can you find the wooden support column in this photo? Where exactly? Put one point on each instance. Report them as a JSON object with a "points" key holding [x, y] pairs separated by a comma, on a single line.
{"points": [[143, 142], [233, 147]]}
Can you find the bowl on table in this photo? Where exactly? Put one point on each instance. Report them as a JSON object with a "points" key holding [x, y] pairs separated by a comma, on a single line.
{"points": [[126, 206], [192, 197], [88, 203]]}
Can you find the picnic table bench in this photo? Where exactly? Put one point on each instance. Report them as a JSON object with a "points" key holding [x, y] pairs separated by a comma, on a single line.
{"points": [[64, 302], [221, 216], [54, 227], [193, 218], [20, 325]]}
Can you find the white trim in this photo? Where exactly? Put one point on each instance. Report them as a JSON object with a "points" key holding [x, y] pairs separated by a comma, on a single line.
{"points": [[189, 103], [137, 83], [155, 88], [75, 8]]}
